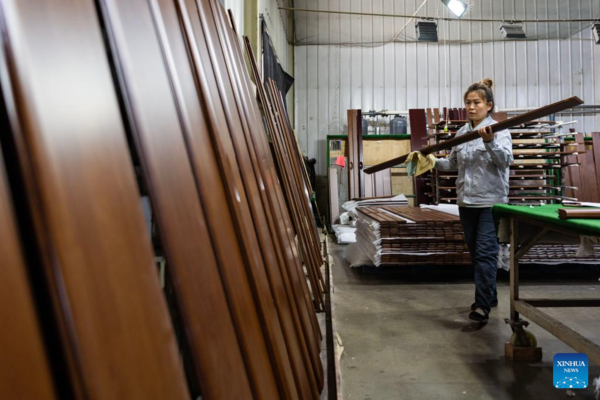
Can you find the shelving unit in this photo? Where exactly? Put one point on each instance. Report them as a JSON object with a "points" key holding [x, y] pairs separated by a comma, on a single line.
{"points": [[540, 158]]}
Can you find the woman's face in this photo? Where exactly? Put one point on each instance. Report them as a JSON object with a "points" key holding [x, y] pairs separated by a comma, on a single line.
{"points": [[477, 107]]}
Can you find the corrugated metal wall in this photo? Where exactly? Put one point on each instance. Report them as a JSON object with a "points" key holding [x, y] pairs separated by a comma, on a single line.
{"points": [[331, 79]]}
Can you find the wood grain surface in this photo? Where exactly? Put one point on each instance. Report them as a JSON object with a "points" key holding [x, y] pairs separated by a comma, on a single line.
{"points": [[25, 369], [163, 110], [97, 257]]}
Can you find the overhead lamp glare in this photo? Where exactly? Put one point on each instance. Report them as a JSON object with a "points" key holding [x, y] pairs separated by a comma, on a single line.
{"points": [[458, 7]]}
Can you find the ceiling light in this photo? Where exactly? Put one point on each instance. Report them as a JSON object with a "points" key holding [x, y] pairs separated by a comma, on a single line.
{"points": [[511, 31], [596, 32], [458, 7], [426, 31]]}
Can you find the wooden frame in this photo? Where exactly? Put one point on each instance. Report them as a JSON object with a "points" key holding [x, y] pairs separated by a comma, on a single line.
{"points": [[530, 307], [355, 155]]}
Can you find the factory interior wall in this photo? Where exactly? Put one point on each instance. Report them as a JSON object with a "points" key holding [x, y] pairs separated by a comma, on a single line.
{"points": [[332, 78]]}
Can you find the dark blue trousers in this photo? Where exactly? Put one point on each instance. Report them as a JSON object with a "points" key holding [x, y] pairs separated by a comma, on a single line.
{"points": [[480, 235]]}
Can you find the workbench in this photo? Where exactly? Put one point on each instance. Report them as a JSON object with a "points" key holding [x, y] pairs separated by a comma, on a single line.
{"points": [[527, 226]]}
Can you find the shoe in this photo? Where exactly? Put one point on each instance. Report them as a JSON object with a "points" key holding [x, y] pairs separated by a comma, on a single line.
{"points": [[481, 318], [493, 305]]}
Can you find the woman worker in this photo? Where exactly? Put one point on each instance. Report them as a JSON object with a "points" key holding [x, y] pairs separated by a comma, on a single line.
{"points": [[483, 170]]}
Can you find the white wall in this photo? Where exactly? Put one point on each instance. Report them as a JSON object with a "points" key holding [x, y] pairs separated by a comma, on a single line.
{"points": [[331, 79], [237, 8]]}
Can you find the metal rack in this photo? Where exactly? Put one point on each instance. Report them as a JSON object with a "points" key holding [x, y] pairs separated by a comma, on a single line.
{"points": [[540, 157]]}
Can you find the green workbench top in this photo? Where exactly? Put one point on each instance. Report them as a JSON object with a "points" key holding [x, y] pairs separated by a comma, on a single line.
{"points": [[547, 213]]}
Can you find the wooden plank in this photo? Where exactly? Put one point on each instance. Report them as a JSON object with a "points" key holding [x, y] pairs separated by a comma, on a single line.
{"points": [[429, 114], [562, 302], [303, 348], [376, 151], [25, 369], [587, 171], [573, 177], [596, 154], [418, 140], [92, 237], [308, 230], [514, 268], [297, 198], [507, 124], [216, 72], [163, 107], [568, 213], [355, 160], [567, 335]]}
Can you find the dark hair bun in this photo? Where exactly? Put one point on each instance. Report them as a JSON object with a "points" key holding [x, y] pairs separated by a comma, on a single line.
{"points": [[487, 82]]}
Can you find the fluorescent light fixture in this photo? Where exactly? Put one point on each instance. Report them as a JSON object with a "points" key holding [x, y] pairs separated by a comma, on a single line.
{"points": [[458, 7], [426, 31], [511, 31], [596, 32]]}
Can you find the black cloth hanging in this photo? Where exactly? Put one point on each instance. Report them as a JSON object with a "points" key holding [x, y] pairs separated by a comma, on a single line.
{"points": [[271, 67]]}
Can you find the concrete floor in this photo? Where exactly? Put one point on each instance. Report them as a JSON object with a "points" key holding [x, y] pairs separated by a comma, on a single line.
{"points": [[407, 336]]}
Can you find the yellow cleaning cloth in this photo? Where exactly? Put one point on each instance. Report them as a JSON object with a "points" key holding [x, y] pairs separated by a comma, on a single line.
{"points": [[417, 163]]}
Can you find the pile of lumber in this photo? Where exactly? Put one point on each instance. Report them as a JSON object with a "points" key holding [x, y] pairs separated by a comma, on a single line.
{"points": [[410, 236]]}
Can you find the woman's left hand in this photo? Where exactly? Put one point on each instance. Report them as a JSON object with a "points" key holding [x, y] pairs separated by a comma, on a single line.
{"points": [[486, 133]]}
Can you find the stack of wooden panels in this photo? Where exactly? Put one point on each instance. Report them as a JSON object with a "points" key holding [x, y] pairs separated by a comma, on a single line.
{"points": [[558, 254], [587, 177], [411, 236], [84, 88], [539, 159]]}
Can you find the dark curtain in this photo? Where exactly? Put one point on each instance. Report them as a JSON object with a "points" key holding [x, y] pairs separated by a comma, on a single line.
{"points": [[271, 67]]}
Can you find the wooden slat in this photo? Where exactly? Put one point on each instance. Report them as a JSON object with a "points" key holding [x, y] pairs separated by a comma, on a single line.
{"points": [[217, 83], [297, 198], [418, 140], [163, 108], [569, 213], [573, 176], [596, 153], [307, 228], [303, 348], [25, 369], [355, 180], [589, 186], [93, 243]]}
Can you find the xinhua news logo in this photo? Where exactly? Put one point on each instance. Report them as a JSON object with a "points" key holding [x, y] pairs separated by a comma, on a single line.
{"points": [[570, 371]]}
